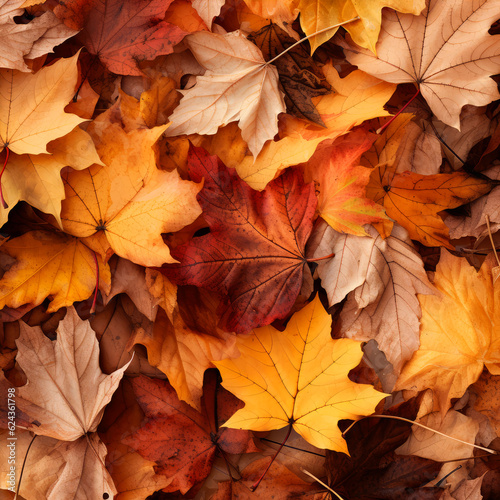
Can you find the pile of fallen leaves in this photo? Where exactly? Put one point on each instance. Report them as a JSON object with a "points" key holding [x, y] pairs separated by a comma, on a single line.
{"points": [[217, 238]]}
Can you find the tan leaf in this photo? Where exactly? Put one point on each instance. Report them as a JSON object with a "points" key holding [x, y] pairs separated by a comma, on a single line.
{"points": [[66, 391], [208, 9], [238, 85], [446, 50], [382, 278], [31, 40], [58, 469]]}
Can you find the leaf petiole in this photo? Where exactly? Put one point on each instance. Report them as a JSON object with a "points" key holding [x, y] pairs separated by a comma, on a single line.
{"points": [[310, 36], [7, 151], [383, 127], [493, 452], [256, 484], [92, 309]]}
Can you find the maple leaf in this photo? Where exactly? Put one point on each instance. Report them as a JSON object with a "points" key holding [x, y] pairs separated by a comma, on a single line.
{"points": [[183, 354], [31, 40], [126, 205], [60, 469], [36, 179], [254, 253], [414, 200], [182, 441], [32, 106], [121, 32], [340, 183], [383, 277], [298, 377], [299, 76], [316, 15], [238, 85], [66, 390], [458, 333], [279, 483], [50, 265], [446, 51], [358, 97]]}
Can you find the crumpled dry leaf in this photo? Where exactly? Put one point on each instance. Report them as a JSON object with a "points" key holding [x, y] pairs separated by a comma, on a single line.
{"points": [[238, 85], [32, 40], [382, 277]]}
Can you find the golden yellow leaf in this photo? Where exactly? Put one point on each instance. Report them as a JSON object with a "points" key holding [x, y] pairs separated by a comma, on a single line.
{"points": [[32, 106], [50, 265], [298, 377], [358, 97], [459, 333], [129, 201], [36, 179], [316, 15]]}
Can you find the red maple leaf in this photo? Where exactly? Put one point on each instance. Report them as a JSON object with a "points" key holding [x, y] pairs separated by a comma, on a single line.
{"points": [[254, 253]]}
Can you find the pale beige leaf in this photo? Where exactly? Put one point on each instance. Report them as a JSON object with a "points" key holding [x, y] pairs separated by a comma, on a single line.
{"points": [[237, 86], [419, 151], [57, 469], [446, 50], [427, 444], [66, 391], [383, 278], [31, 40], [208, 9]]}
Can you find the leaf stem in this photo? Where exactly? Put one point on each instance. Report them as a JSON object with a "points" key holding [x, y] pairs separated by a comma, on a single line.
{"points": [[22, 468], [4, 204], [256, 484], [383, 127], [491, 239], [322, 483], [310, 36], [493, 452], [92, 309], [321, 258]]}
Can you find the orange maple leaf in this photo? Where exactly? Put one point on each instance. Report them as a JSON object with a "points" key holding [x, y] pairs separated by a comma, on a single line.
{"points": [[459, 332]]}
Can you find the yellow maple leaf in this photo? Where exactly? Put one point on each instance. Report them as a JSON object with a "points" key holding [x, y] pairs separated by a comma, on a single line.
{"points": [[298, 377], [316, 15], [32, 106], [459, 332], [358, 97]]}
